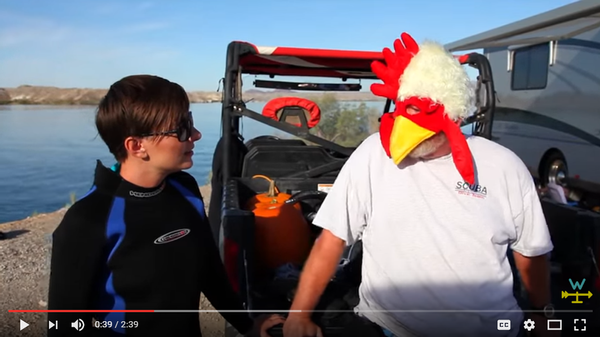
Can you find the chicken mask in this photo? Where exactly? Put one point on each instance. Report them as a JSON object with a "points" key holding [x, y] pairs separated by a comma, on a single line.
{"points": [[430, 79]]}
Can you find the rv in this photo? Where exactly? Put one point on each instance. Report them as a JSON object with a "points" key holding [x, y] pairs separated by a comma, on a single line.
{"points": [[547, 81]]}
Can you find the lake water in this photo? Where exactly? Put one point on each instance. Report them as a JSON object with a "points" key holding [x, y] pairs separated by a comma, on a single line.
{"points": [[49, 152]]}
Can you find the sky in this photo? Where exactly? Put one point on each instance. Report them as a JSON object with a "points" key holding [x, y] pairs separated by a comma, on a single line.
{"points": [[92, 44]]}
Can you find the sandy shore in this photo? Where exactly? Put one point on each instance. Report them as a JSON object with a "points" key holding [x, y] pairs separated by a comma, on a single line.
{"points": [[24, 271]]}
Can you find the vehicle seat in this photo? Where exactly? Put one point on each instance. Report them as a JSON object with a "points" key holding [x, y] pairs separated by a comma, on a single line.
{"points": [[272, 140], [300, 112], [282, 160], [275, 157]]}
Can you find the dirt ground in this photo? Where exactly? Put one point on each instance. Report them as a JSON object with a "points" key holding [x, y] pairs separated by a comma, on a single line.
{"points": [[24, 271]]}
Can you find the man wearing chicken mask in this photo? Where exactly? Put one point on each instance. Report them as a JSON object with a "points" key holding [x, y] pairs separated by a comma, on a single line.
{"points": [[436, 212]]}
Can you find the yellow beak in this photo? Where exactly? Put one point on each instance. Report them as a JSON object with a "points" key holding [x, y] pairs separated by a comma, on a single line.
{"points": [[406, 136]]}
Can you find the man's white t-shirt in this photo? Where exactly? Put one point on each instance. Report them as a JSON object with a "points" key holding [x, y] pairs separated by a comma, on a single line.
{"points": [[434, 248]]}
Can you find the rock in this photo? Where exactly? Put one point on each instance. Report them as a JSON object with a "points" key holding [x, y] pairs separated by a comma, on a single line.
{"points": [[4, 96]]}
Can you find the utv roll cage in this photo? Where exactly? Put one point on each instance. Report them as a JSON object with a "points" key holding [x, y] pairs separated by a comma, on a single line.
{"points": [[244, 58]]}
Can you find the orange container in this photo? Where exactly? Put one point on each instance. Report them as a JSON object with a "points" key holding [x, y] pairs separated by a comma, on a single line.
{"points": [[282, 234]]}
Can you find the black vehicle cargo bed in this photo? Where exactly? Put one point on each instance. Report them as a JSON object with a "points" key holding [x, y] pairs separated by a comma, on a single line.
{"points": [[276, 293]]}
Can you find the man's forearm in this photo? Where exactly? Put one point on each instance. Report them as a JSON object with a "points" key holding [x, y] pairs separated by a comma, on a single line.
{"points": [[535, 275], [318, 270]]}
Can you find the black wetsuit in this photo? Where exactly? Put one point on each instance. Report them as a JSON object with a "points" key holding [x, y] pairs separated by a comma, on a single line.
{"points": [[122, 247]]}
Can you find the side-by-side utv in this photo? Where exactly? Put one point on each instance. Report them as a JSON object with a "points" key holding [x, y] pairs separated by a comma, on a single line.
{"points": [[266, 190]]}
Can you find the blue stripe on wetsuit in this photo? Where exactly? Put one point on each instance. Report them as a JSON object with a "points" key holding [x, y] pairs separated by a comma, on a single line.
{"points": [[388, 333], [191, 197], [88, 193], [115, 233]]}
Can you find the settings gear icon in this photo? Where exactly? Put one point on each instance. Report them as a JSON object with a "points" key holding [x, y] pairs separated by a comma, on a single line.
{"points": [[529, 325]]}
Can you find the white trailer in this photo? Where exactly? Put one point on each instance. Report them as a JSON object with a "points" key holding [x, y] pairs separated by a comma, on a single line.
{"points": [[546, 72]]}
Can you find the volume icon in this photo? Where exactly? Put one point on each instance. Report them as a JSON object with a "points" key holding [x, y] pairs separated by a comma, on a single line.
{"points": [[78, 325]]}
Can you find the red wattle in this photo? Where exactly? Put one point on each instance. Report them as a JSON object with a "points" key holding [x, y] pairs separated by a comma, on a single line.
{"points": [[463, 160]]}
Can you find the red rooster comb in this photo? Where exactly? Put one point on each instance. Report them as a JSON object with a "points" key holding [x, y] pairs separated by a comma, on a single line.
{"points": [[396, 62]]}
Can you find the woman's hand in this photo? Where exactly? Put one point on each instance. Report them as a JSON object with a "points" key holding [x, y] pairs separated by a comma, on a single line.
{"points": [[263, 323]]}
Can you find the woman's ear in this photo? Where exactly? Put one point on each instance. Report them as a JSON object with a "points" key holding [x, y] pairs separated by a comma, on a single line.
{"points": [[135, 147]]}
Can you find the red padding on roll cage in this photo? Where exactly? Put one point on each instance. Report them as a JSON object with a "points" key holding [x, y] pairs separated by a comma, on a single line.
{"points": [[273, 106]]}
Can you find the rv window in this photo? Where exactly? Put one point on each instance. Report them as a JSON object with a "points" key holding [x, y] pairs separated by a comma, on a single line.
{"points": [[520, 71], [530, 67]]}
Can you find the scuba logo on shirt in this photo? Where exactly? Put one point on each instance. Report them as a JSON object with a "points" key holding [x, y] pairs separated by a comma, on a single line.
{"points": [[172, 236], [475, 190]]}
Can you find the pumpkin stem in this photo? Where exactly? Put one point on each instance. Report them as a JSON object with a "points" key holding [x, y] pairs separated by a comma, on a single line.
{"points": [[272, 189]]}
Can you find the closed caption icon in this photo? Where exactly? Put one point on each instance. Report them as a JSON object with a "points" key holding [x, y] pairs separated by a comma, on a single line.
{"points": [[504, 324]]}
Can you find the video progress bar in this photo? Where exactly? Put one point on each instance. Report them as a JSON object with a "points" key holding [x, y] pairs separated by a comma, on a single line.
{"points": [[291, 311]]}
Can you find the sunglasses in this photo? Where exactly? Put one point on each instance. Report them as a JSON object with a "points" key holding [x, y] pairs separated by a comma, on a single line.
{"points": [[183, 131]]}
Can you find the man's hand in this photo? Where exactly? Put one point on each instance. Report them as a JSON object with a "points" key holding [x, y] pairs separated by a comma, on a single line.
{"points": [[300, 326], [317, 272], [263, 323]]}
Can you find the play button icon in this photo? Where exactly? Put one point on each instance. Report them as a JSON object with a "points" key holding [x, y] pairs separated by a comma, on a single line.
{"points": [[23, 324]]}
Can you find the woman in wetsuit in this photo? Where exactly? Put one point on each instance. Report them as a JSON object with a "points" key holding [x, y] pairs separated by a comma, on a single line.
{"points": [[140, 238]]}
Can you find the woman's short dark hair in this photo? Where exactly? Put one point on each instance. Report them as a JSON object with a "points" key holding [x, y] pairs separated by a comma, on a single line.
{"points": [[137, 105]]}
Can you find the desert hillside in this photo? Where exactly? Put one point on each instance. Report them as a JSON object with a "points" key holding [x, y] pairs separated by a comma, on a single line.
{"points": [[27, 94]]}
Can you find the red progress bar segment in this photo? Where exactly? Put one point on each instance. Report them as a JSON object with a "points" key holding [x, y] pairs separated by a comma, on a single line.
{"points": [[81, 311]]}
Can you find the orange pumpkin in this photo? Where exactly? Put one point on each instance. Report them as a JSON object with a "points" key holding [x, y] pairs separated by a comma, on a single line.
{"points": [[282, 234]]}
